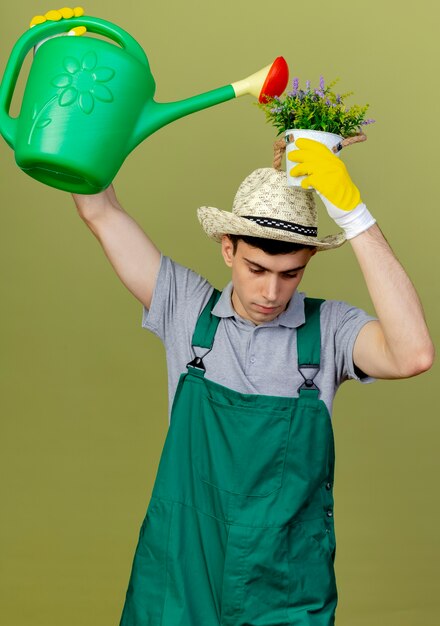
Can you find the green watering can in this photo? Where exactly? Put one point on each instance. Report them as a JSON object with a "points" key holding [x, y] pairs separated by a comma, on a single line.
{"points": [[88, 103]]}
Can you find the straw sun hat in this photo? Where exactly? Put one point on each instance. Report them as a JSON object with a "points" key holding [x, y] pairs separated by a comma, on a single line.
{"points": [[265, 206]]}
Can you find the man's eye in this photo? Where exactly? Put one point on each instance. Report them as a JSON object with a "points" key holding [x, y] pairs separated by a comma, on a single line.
{"points": [[255, 271], [290, 275]]}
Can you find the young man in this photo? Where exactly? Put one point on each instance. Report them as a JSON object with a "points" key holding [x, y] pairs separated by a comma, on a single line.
{"points": [[239, 530]]}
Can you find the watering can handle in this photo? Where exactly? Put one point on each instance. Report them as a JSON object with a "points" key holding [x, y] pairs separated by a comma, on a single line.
{"points": [[32, 37]]}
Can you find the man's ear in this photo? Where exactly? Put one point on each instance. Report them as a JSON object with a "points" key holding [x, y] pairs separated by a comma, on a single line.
{"points": [[227, 250]]}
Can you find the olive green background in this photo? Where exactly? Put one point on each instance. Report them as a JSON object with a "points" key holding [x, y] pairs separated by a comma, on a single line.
{"points": [[83, 387]]}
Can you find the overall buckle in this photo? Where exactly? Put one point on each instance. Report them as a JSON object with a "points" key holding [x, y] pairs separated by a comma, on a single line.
{"points": [[309, 374]]}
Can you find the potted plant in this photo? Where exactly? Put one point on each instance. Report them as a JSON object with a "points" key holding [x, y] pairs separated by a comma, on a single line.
{"points": [[320, 114]]}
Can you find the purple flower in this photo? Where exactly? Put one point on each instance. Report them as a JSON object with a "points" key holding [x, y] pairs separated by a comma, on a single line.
{"points": [[338, 98], [295, 86], [319, 93], [369, 121], [321, 83], [307, 86]]}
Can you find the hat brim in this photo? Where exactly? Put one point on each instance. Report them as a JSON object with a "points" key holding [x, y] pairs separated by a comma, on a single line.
{"points": [[217, 223]]}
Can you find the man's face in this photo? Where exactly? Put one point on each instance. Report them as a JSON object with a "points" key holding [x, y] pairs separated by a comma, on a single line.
{"points": [[263, 284]]}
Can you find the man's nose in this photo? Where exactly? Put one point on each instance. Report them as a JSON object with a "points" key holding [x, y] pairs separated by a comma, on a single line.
{"points": [[271, 288]]}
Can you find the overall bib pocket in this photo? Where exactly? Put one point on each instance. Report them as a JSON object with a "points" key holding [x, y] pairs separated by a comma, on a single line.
{"points": [[241, 449]]}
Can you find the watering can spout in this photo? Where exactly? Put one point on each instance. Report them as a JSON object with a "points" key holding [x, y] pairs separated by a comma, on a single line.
{"points": [[155, 115], [267, 82]]}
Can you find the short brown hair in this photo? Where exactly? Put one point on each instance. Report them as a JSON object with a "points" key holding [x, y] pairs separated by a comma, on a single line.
{"points": [[270, 246]]}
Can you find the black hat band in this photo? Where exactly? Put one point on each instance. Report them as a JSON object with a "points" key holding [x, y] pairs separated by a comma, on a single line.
{"points": [[309, 231]]}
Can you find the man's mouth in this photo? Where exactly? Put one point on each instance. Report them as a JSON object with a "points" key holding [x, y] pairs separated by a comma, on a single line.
{"points": [[266, 309]]}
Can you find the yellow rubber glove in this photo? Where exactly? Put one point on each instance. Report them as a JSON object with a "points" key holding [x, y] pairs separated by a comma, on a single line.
{"points": [[61, 14], [326, 173]]}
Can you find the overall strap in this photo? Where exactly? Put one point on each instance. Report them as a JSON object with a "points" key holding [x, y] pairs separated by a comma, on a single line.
{"points": [[309, 346], [206, 326], [204, 333]]}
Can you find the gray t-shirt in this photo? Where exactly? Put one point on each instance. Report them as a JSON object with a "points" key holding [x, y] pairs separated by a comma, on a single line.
{"points": [[248, 358]]}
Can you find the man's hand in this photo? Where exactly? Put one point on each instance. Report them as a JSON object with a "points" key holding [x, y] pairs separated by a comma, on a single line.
{"points": [[92, 207], [326, 173], [60, 14]]}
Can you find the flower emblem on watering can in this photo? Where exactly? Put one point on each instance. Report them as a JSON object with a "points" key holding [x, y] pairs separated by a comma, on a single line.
{"points": [[82, 82]]}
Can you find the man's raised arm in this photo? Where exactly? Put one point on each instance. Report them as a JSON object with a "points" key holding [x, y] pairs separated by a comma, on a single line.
{"points": [[398, 345], [132, 254]]}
